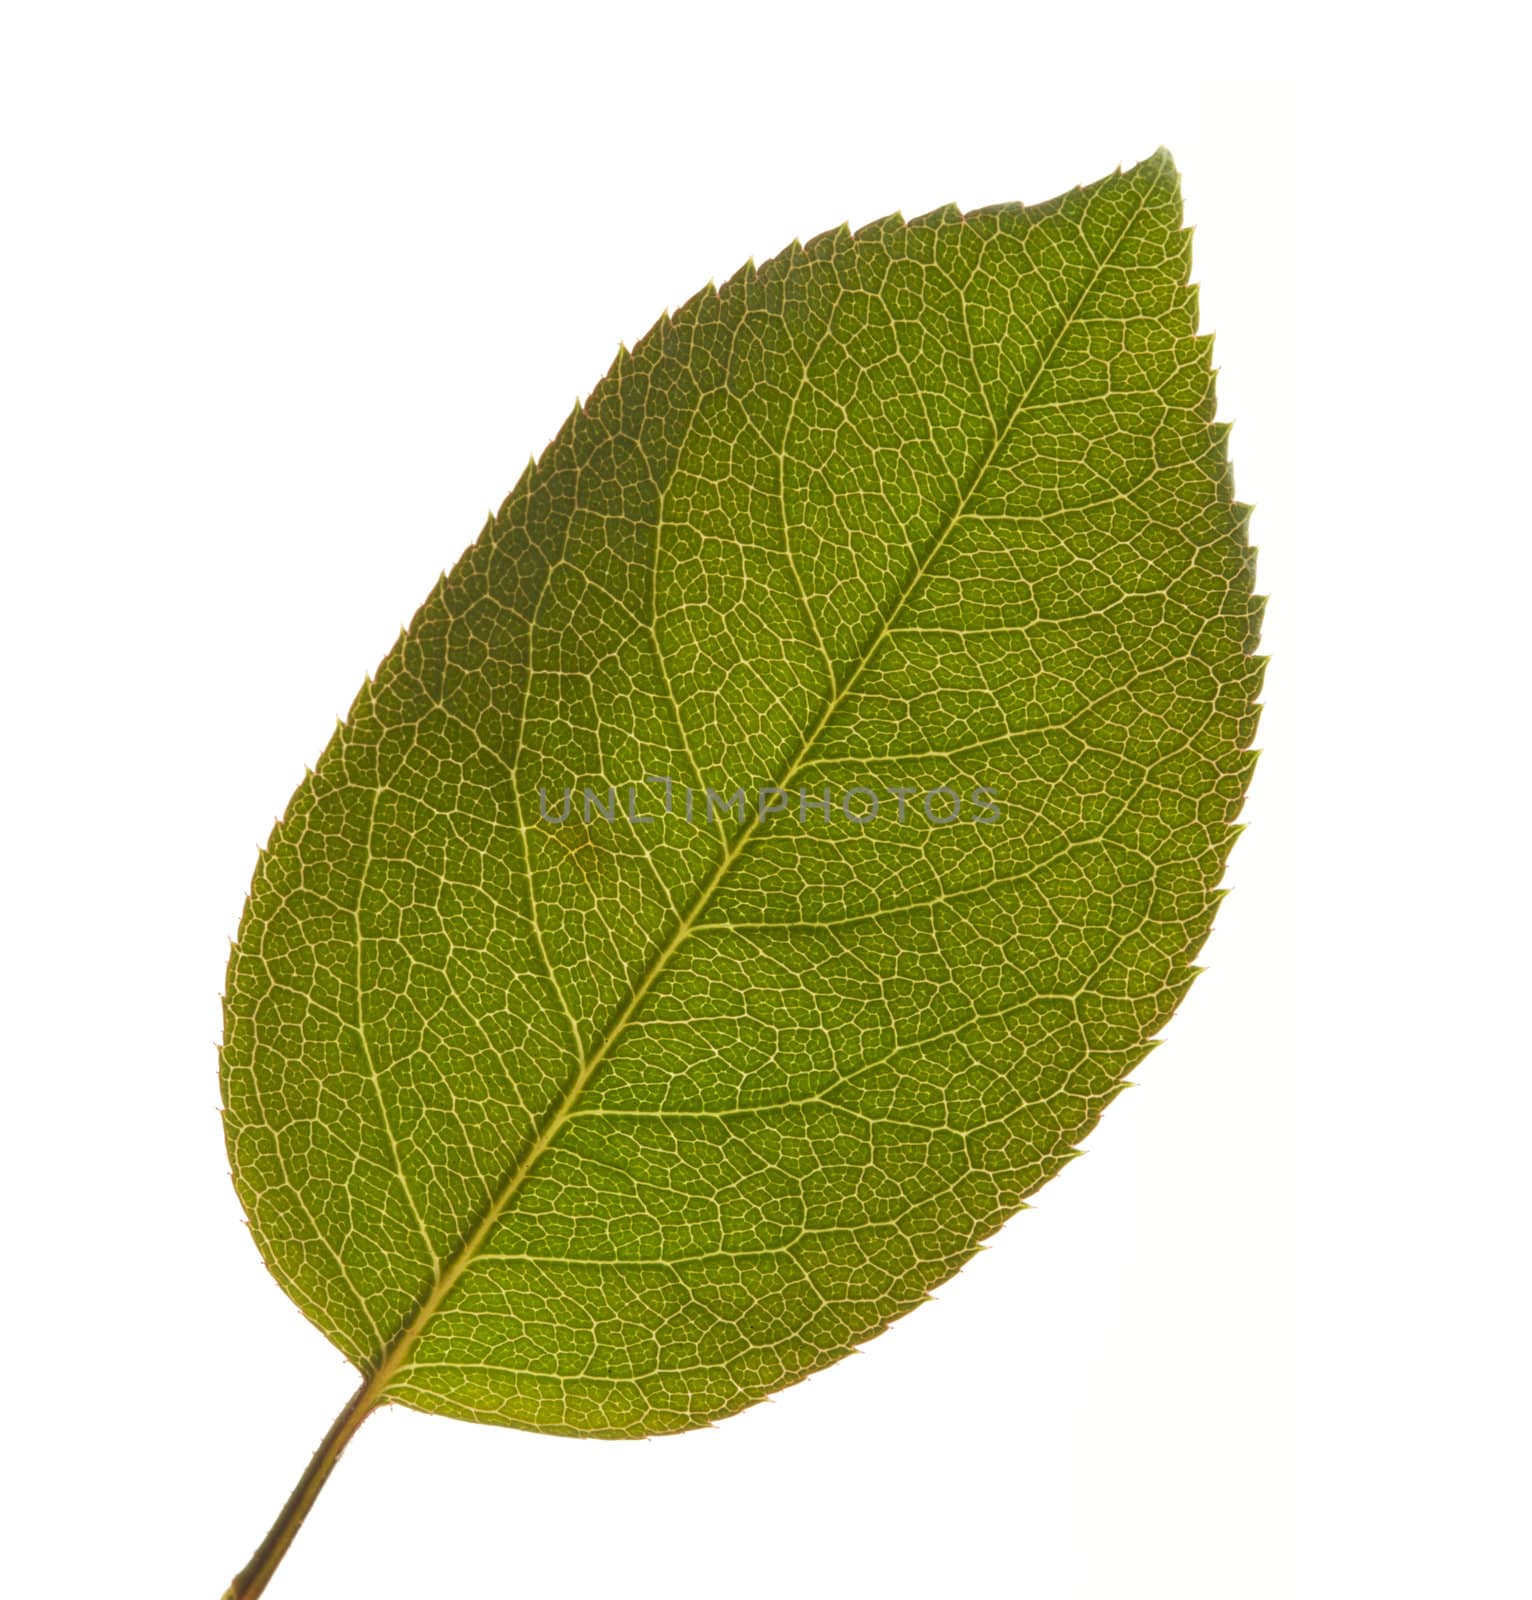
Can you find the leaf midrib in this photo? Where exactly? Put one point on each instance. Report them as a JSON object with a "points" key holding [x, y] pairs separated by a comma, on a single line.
{"points": [[396, 1356]]}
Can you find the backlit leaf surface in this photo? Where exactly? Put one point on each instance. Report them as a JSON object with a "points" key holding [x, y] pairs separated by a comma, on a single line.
{"points": [[611, 1128]]}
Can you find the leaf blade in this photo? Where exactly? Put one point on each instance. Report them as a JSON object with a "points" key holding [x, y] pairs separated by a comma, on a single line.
{"points": [[613, 1144]]}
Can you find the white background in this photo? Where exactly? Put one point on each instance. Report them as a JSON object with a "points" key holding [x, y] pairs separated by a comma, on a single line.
{"points": [[288, 295]]}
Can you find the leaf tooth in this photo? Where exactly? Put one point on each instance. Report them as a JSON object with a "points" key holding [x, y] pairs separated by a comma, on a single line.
{"points": [[952, 213], [738, 278], [823, 244], [614, 371], [873, 232], [655, 330], [688, 309]]}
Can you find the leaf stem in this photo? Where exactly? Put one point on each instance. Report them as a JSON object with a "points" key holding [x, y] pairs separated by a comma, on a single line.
{"points": [[257, 1572]]}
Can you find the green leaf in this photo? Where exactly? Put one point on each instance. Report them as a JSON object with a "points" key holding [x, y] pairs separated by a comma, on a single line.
{"points": [[611, 1128]]}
